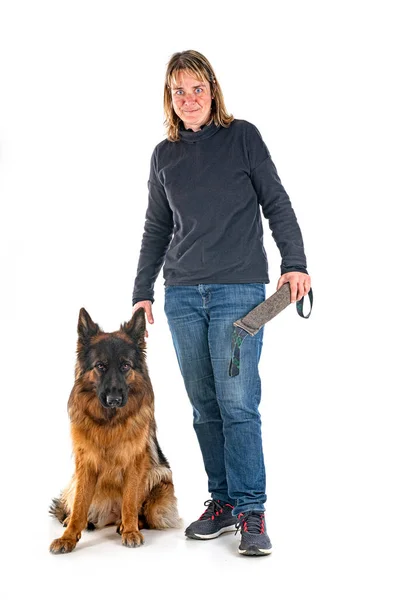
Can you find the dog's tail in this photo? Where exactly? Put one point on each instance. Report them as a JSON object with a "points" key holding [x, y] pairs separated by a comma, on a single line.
{"points": [[58, 509]]}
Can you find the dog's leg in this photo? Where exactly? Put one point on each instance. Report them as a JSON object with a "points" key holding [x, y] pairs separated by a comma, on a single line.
{"points": [[132, 498], [85, 485], [160, 508]]}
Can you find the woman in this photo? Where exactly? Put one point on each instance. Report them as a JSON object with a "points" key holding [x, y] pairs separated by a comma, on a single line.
{"points": [[207, 182]]}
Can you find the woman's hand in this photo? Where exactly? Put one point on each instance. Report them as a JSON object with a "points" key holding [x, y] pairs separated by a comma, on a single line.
{"points": [[300, 284], [146, 304]]}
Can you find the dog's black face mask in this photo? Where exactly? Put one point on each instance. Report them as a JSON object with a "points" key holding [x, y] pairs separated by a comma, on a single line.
{"points": [[112, 357]]}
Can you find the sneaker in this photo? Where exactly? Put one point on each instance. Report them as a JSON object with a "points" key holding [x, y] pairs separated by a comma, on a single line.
{"points": [[216, 519], [255, 540]]}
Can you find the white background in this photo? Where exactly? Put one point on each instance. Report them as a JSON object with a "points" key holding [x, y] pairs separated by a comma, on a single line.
{"points": [[80, 112]]}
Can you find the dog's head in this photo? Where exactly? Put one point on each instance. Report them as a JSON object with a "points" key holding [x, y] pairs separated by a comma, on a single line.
{"points": [[109, 363]]}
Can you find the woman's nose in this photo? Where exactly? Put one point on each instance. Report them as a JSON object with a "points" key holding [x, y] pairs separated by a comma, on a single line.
{"points": [[190, 98]]}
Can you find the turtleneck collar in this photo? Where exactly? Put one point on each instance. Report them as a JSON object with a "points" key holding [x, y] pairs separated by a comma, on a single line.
{"points": [[190, 136]]}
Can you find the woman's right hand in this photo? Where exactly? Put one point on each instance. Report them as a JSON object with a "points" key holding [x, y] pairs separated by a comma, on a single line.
{"points": [[146, 304]]}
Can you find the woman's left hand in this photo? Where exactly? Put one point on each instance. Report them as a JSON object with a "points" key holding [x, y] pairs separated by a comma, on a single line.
{"points": [[300, 284]]}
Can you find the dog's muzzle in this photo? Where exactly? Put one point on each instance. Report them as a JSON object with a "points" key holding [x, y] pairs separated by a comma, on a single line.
{"points": [[113, 401]]}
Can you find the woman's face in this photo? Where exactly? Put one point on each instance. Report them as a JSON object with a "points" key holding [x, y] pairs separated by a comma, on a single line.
{"points": [[191, 100]]}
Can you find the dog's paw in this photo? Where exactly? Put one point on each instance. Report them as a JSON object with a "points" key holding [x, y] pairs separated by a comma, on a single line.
{"points": [[62, 545], [132, 539]]}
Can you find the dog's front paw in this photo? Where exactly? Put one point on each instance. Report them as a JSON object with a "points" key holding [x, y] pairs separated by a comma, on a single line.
{"points": [[132, 539], [62, 545]]}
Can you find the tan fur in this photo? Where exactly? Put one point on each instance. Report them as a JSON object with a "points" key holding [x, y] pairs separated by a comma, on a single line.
{"points": [[118, 476]]}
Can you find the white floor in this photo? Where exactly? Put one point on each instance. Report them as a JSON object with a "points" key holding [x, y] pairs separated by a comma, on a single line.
{"points": [[317, 554]]}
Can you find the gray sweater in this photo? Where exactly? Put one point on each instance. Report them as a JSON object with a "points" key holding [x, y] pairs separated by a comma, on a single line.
{"points": [[203, 217]]}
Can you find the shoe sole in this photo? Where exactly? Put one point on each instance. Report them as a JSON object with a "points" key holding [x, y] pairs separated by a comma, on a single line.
{"points": [[253, 551], [209, 536]]}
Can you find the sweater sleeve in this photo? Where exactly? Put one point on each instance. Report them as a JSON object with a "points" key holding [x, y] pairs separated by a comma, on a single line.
{"points": [[158, 229], [276, 205]]}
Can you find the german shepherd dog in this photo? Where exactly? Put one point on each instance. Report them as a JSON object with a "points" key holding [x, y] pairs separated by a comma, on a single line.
{"points": [[121, 475]]}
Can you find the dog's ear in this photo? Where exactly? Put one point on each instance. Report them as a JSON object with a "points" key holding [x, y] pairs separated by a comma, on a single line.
{"points": [[136, 327], [86, 327]]}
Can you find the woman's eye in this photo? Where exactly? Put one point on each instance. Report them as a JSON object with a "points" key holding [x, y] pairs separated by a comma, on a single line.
{"points": [[199, 89]]}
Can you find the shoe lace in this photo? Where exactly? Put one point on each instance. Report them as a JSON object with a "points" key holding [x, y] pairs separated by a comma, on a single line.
{"points": [[251, 522], [214, 508]]}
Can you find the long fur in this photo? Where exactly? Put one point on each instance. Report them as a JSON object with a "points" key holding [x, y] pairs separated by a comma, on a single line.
{"points": [[111, 443]]}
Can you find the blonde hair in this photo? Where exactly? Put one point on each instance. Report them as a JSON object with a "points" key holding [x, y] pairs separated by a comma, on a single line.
{"points": [[197, 65]]}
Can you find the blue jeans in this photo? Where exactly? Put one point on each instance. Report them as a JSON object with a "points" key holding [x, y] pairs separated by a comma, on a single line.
{"points": [[225, 409]]}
